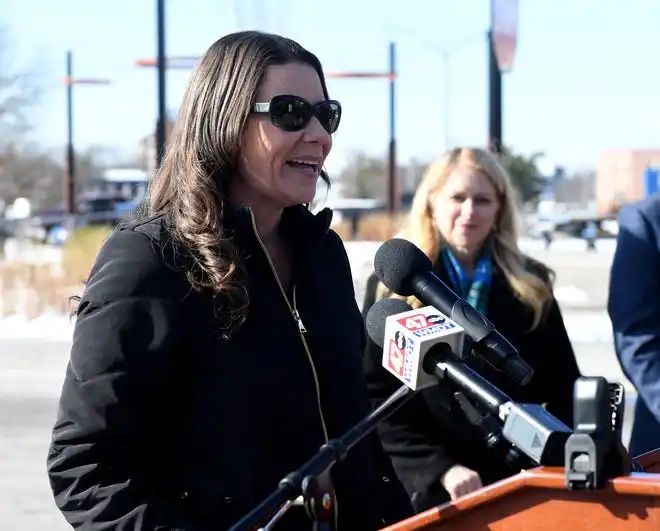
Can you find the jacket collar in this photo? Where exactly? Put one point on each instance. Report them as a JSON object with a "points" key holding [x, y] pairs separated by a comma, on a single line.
{"points": [[299, 224], [306, 232]]}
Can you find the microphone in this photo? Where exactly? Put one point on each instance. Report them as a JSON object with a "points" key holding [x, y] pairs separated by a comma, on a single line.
{"points": [[418, 349], [406, 270]]}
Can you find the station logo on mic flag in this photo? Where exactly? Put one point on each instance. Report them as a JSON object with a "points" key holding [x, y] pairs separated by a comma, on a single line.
{"points": [[396, 357], [408, 337], [399, 355], [420, 323]]}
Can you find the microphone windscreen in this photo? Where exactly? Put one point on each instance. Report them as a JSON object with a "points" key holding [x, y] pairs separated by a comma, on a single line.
{"points": [[397, 261], [377, 315]]}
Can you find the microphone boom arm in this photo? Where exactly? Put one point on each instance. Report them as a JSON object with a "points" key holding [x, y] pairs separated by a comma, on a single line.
{"points": [[313, 478]]}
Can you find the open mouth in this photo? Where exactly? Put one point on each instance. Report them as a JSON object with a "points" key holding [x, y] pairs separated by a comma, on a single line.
{"points": [[309, 165]]}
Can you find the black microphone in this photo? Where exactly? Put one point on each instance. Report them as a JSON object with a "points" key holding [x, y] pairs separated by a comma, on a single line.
{"points": [[406, 270], [419, 350]]}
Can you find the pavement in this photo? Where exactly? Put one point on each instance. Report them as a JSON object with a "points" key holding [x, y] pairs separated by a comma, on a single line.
{"points": [[30, 379], [31, 371]]}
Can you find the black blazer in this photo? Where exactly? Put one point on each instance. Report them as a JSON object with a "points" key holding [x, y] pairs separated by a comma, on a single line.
{"points": [[164, 424], [430, 433]]}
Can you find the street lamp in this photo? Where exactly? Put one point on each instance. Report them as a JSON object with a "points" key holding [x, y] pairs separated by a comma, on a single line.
{"points": [[161, 82], [161, 69], [502, 42], [162, 65], [70, 174], [187, 62], [494, 96], [447, 51], [393, 196]]}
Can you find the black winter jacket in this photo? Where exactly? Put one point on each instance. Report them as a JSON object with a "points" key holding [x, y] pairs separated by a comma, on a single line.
{"points": [[430, 433], [164, 425]]}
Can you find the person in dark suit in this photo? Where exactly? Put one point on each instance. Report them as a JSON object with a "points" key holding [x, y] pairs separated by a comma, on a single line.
{"points": [[463, 217], [218, 342], [634, 309]]}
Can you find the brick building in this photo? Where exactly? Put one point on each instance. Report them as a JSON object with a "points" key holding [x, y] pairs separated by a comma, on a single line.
{"points": [[620, 176]]}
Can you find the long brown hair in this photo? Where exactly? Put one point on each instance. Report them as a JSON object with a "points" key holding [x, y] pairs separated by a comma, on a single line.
{"points": [[203, 152]]}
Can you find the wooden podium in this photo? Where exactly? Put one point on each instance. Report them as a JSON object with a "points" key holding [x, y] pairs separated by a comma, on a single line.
{"points": [[537, 500]]}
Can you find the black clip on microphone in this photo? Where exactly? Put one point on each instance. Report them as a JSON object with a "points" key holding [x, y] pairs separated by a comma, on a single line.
{"points": [[491, 432]]}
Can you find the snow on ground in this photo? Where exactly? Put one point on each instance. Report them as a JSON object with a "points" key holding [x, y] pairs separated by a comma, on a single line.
{"points": [[583, 326], [362, 253], [27, 252], [49, 326]]}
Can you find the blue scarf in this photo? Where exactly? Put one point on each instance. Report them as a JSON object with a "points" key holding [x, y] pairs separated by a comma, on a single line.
{"points": [[474, 290]]}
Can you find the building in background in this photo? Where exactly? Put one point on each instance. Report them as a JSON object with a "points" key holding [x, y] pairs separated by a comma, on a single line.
{"points": [[622, 177], [130, 184]]}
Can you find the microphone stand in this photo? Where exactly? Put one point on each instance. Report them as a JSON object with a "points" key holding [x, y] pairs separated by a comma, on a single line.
{"points": [[313, 481]]}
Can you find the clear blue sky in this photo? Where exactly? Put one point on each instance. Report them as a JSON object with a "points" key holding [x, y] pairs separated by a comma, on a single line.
{"points": [[586, 74]]}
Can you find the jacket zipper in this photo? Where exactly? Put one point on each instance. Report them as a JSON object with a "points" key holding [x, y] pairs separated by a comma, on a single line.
{"points": [[301, 331]]}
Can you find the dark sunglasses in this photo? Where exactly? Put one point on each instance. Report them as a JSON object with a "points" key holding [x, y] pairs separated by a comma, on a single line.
{"points": [[292, 113]]}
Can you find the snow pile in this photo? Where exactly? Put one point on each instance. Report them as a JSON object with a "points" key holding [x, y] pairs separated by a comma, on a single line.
{"points": [[583, 326], [48, 326]]}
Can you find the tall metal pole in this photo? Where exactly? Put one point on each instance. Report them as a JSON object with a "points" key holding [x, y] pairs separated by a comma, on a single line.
{"points": [[494, 98], [161, 68], [392, 185], [446, 56], [70, 177]]}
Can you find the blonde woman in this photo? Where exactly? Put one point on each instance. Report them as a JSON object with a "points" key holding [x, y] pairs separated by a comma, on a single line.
{"points": [[464, 218]]}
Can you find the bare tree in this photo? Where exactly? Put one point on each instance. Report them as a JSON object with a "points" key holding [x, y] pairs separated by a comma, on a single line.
{"points": [[28, 172], [20, 90], [37, 175], [365, 176], [24, 171]]}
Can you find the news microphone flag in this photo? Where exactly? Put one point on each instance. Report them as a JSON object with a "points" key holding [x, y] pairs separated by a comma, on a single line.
{"points": [[409, 336]]}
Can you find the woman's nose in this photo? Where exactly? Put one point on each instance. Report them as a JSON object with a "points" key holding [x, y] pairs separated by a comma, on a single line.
{"points": [[467, 208], [316, 133]]}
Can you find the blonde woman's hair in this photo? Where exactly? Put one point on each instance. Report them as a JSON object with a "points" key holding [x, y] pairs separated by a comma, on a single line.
{"points": [[531, 282]]}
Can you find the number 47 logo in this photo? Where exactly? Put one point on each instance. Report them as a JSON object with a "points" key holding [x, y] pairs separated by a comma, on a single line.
{"points": [[396, 358], [414, 322]]}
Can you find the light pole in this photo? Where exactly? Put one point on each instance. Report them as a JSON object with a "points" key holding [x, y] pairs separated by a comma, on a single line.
{"points": [[502, 41], [447, 52], [494, 97], [393, 196], [161, 69], [162, 65], [69, 184]]}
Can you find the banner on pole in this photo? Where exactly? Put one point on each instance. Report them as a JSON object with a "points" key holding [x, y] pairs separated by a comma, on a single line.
{"points": [[504, 28]]}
